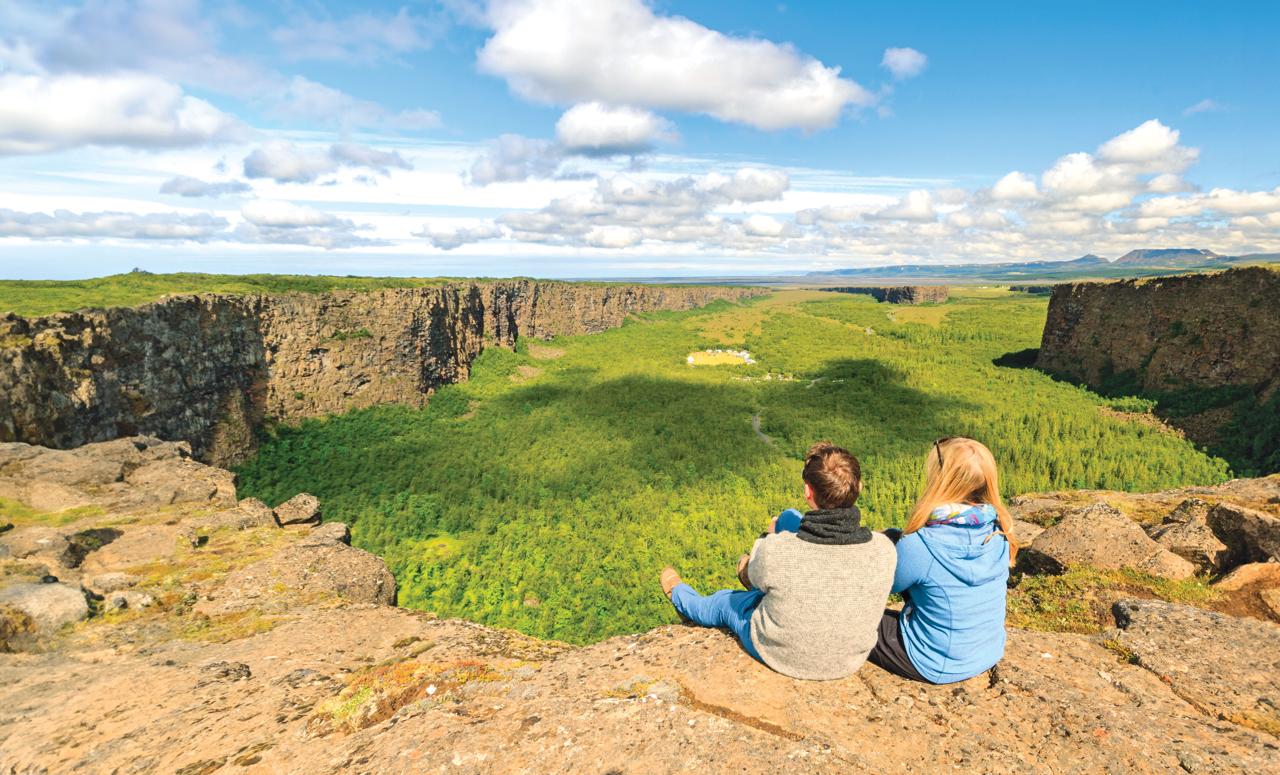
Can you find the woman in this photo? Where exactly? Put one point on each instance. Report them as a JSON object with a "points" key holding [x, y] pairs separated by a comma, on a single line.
{"points": [[953, 567]]}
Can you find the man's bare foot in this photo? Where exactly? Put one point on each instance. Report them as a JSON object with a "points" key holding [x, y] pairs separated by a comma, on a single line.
{"points": [[670, 579], [743, 561]]}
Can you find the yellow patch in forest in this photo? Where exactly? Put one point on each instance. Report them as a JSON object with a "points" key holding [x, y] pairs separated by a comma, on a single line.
{"points": [[719, 358], [929, 315], [525, 372]]}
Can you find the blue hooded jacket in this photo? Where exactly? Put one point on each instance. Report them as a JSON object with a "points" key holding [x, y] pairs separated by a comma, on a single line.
{"points": [[954, 579]]}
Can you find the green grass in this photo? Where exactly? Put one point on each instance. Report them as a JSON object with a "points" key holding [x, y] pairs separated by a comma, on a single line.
{"points": [[43, 297], [21, 515], [548, 501], [1080, 600]]}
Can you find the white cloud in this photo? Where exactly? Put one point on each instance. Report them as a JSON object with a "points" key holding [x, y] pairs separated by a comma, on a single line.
{"points": [[267, 221], [303, 99], [596, 129], [39, 114], [1014, 187], [289, 163], [621, 52], [623, 211], [265, 212], [514, 158], [360, 37], [1151, 146], [1167, 183], [1231, 202], [183, 185], [170, 39], [1086, 202], [904, 63], [448, 238], [1203, 106], [177, 41], [915, 206], [381, 162], [760, 225], [63, 224]]}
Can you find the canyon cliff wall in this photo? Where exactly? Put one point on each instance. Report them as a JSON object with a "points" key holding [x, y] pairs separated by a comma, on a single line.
{"points": [[903, 294], [1168, 333], [1205, 348], [209, 369]]}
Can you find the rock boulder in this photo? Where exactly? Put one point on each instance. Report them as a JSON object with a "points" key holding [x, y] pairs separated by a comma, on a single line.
{"points": [[40, 542], [301, 509], [49, 606], [1260, 573], [1186, 533], [1101, 537], [300, 571], [329, 532], [1251, 536]]}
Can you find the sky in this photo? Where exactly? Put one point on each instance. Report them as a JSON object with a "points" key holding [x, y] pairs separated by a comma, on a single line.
{"points": [[625, 138]]}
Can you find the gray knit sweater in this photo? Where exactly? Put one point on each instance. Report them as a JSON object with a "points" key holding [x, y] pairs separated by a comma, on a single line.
{"points": [[822, 603]]}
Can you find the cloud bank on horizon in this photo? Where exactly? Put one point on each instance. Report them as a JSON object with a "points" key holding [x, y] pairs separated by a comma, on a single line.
{"points": [[555, 137]]}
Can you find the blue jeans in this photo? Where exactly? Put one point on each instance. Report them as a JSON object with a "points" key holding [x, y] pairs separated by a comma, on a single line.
{"points": [[726, 608]]}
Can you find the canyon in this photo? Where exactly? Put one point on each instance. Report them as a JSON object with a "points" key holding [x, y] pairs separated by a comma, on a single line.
{"points": [[211, 369]]}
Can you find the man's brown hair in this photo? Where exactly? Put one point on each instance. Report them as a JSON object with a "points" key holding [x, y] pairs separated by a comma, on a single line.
{"points": [[834, 475]]}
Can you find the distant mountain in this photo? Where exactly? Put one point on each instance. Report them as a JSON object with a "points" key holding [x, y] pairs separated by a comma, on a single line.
{"points": [[1135, 263], [1167, 257]]}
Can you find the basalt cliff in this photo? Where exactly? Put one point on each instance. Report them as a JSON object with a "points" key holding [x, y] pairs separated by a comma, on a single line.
{"points": [[210, 369], [900, 294], [1206, 346], [1203, 330], [156, 624]]}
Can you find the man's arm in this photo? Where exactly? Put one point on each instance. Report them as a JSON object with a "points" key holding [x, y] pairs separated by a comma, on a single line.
{"points": [[757, 569]]}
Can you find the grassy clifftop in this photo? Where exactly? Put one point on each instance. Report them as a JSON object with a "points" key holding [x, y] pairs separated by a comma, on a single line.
{"points": [[45, 297]]}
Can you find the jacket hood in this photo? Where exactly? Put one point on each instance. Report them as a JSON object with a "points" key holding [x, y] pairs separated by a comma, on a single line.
{"points": [[968, 546]]}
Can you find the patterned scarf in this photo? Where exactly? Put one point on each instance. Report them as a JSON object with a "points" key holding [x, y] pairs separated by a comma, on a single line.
{"points": [[962, 515]]}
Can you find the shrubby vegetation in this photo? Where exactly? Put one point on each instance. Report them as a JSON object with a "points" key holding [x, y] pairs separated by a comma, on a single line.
{"points": [[546, 493], [44, 297]]}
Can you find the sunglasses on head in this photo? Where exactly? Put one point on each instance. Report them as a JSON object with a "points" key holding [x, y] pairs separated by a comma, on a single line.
{"points": [[937, 446]]}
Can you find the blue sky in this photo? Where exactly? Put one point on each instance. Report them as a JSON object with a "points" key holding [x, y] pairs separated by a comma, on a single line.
{"points": [[624, 138]]}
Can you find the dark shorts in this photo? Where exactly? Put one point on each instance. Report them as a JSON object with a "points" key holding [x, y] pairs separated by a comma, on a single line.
{"points": [[890, 652]]}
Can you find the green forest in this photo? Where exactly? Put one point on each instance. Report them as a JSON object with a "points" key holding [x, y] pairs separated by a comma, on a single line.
{"points": [[546, 493]]}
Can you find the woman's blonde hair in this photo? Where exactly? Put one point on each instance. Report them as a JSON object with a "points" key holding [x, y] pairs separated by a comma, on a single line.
{"points": [[961, 470]]}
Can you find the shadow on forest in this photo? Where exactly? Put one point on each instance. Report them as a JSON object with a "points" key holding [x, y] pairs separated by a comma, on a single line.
{"points": [[678, 431], [1233, 422]]}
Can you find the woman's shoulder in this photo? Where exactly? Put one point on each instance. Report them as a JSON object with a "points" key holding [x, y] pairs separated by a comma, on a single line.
{"points": [[910, 543]]}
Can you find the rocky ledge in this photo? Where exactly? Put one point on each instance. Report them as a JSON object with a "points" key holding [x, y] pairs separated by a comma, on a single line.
{"points": [[156, 624], [901, 294]]}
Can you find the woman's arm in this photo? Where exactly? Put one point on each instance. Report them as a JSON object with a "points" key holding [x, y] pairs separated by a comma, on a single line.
{"points": [[913, 563]]}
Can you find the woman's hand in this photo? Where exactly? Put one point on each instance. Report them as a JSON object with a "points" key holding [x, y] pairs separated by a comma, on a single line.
{"points": [[743, 561]]}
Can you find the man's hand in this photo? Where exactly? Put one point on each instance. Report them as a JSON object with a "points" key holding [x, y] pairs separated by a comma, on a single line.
{"points": [[742, 571], [773, 525]]}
